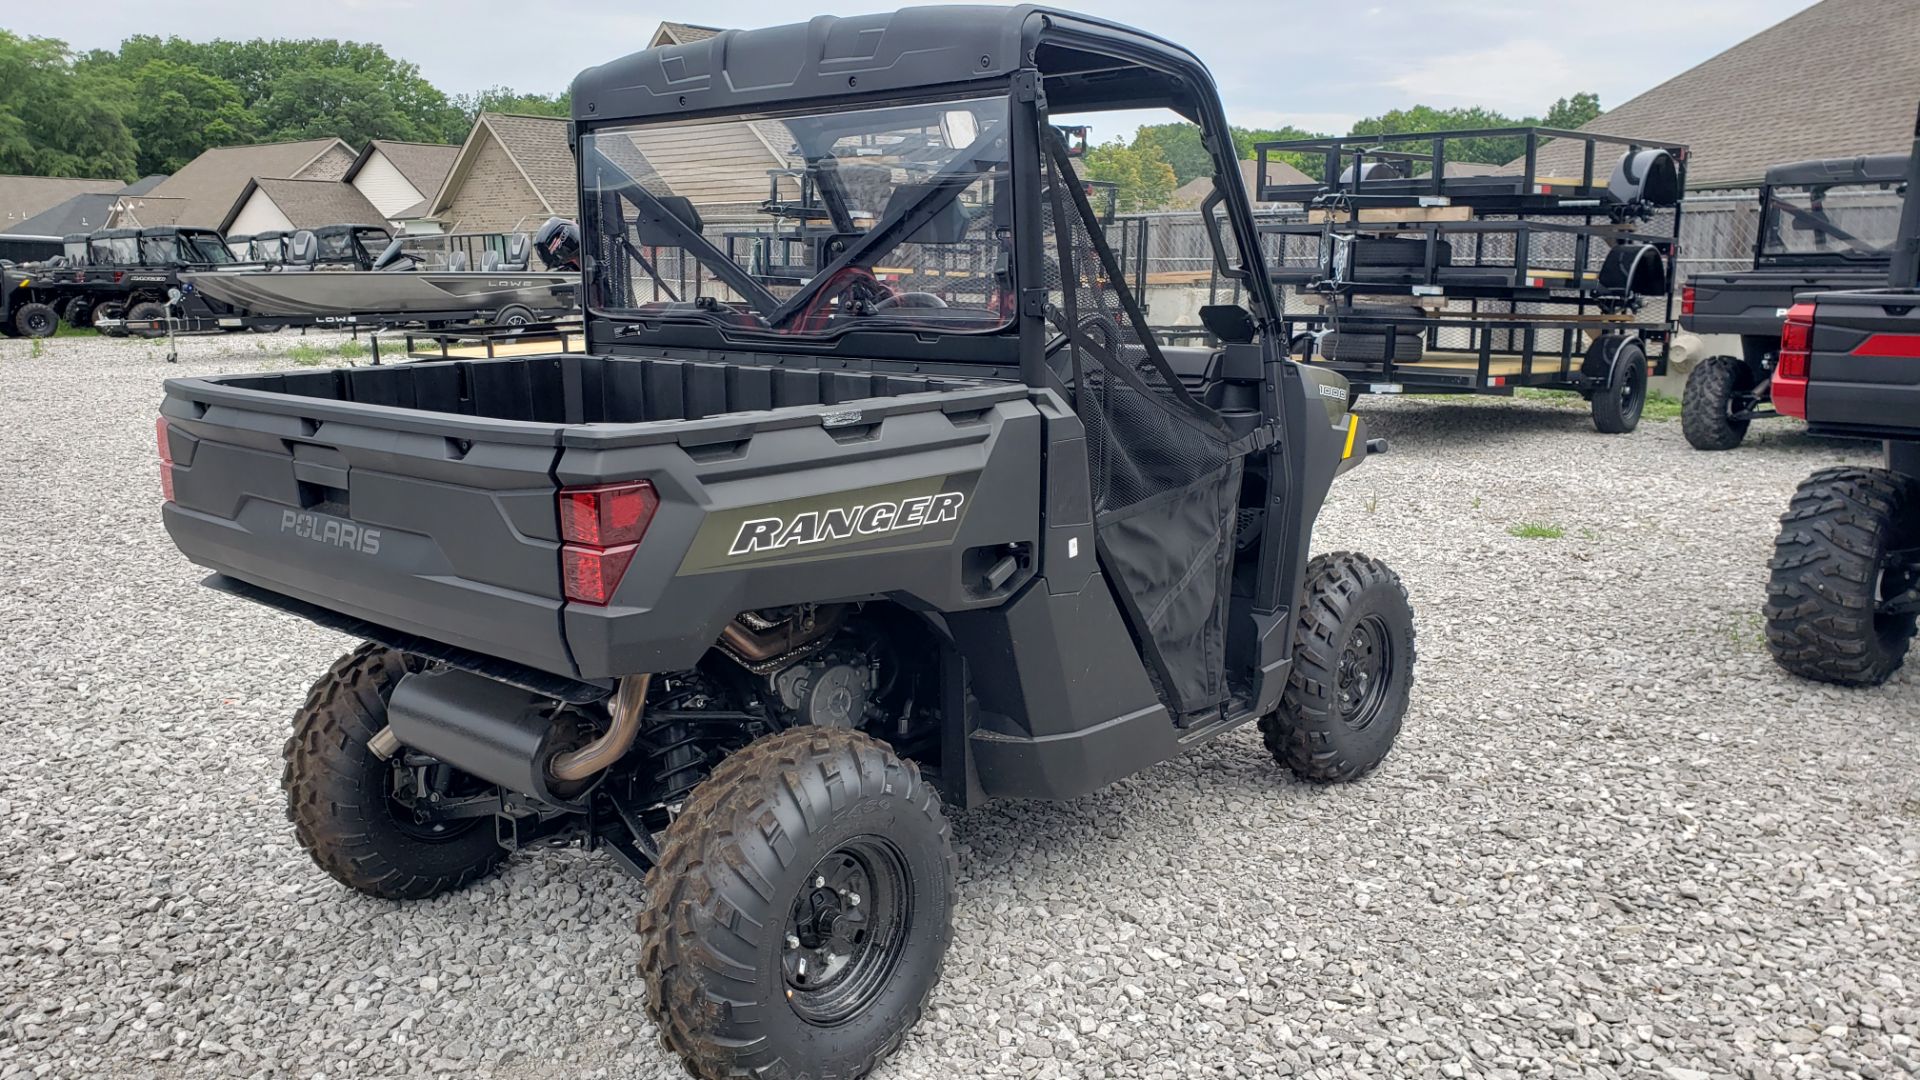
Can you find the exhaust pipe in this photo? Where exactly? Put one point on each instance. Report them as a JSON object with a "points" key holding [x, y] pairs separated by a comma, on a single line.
{"points": [[629, 702]]}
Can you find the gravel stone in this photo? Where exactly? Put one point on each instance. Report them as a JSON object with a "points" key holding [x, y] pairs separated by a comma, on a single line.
{"points": [[1614, 841]]}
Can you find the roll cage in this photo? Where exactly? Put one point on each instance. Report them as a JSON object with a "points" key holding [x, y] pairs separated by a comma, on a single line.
{"points": [[1047, 63]]}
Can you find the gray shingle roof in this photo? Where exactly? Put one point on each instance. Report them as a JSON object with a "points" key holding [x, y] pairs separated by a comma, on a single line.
{"points": [[684, 33], [1839, 79], [538, 144], [212, 182], [24, 197], [309, 204], [82, 213]]}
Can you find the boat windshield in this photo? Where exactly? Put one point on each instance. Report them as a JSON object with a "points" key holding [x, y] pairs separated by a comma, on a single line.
{"points": [[894, 218], [205, 247], [1859, 221]]}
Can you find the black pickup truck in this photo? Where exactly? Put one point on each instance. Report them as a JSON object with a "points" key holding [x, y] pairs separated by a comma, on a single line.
{"points": [[1844, 592], [750, 592], [1824, 225]]}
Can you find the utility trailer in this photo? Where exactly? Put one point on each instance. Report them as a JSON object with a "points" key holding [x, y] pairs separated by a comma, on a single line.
{"points": [[1843, 590], [1407, 272], [1824, 226], [749, 591]]}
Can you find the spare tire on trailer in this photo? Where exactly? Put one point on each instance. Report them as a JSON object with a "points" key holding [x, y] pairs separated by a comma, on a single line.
{"points": [[147, 310], [36, 320]]}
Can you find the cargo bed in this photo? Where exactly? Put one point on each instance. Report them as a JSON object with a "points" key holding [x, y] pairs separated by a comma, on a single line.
{"points": [[421, 497]]}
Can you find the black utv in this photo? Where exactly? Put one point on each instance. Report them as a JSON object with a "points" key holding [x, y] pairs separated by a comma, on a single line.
{"points": [[1843, 596], [777, 574], [1823, 225]]}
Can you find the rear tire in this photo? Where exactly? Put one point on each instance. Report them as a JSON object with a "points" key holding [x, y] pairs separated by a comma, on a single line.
{"points": [[36, 320], [339, 792], [78, 314], [1617, 406], [1830, 572], [1714, 388], [1352, 674], [147, 310], [737, 887]]}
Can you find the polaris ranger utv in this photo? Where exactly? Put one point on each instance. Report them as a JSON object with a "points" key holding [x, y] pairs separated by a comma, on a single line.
{"points": [[1844, 593], [778, 572], [1824, 225]]}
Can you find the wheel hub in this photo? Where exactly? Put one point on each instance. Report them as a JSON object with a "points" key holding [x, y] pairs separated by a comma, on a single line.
{"points": [[845, 931], [1365, 670]]}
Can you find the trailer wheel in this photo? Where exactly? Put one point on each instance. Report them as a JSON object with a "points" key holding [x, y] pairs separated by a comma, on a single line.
{"points": [[147, 310], [36, 320], [1841, 595], [103, 312], [1352, 671], [1617, 406], [800, 911], [1716, 389], [513, 315], [341, 795]]}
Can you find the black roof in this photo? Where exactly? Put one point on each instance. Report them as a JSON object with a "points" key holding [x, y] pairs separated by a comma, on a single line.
{"points": [[831, 57], [1878, 169]]}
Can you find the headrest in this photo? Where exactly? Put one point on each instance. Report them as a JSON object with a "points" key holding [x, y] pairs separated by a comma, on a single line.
{"points": [[650, 222], [949, 222], [303, 248], [518, 251]]}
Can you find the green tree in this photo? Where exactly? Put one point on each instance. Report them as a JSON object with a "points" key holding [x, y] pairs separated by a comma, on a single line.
{"points": [[340, 102], [502, 99], [178, 111], [1140, 171], [58, 119], [1421, 118], [1573, 112]]}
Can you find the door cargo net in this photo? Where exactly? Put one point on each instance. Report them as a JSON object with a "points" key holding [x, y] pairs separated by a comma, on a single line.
{"points": [[1165, 470]]}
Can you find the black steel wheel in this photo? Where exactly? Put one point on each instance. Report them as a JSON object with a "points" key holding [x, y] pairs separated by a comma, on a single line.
{"points": [[1719, 395], [355, 813], [36, 320], [1353, 656], [1617, 406], [1843, 593], [513, 315], [807, 883]]}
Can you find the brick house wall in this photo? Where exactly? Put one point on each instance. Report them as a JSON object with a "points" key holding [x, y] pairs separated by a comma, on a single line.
{"points": [[493, 197]]}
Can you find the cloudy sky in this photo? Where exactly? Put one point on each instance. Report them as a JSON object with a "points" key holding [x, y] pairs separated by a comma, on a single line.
{"points": [[1317, 64]]}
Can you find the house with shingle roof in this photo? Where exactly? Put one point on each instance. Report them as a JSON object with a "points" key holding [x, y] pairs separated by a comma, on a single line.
{"points": [[398, 176], [1837, 80], [513, 173], [272, 204], [209, 186], [24, 197]]}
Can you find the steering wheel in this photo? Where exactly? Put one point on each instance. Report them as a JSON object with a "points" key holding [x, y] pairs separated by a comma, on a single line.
{"points": [[910, 300]]}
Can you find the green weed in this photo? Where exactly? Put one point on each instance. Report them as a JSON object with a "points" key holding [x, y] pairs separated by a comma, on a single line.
{"points": [[1530, 530]]}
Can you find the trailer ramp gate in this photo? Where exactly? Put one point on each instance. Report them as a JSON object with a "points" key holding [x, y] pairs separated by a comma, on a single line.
{"points": [[1165, 470]]}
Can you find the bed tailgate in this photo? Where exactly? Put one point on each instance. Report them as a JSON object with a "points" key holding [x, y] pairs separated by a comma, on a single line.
{"points": [[444, 527], [1864, 371]]}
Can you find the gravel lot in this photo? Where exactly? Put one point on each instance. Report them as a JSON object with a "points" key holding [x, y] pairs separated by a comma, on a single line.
{"points": [[1614, 839]]}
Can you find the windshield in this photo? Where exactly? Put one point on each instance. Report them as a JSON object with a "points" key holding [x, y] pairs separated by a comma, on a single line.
{"points": [[115, 251], [204, 248], [1855, 221], [893, 218]]}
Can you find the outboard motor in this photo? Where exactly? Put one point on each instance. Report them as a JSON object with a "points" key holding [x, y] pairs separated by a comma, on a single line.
{"points": [[558, 243], [1650, 177]]}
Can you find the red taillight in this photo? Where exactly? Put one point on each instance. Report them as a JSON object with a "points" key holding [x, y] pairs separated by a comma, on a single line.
{"points": [[1686, 300], [1790, 372], [602, 525], [166, 459]]}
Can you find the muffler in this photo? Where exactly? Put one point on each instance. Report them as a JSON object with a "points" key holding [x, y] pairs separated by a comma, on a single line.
{"points": [[504, 735]]}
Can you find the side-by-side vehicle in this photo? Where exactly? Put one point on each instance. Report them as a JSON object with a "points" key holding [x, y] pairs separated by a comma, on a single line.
{"points": [[786, 567]]}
